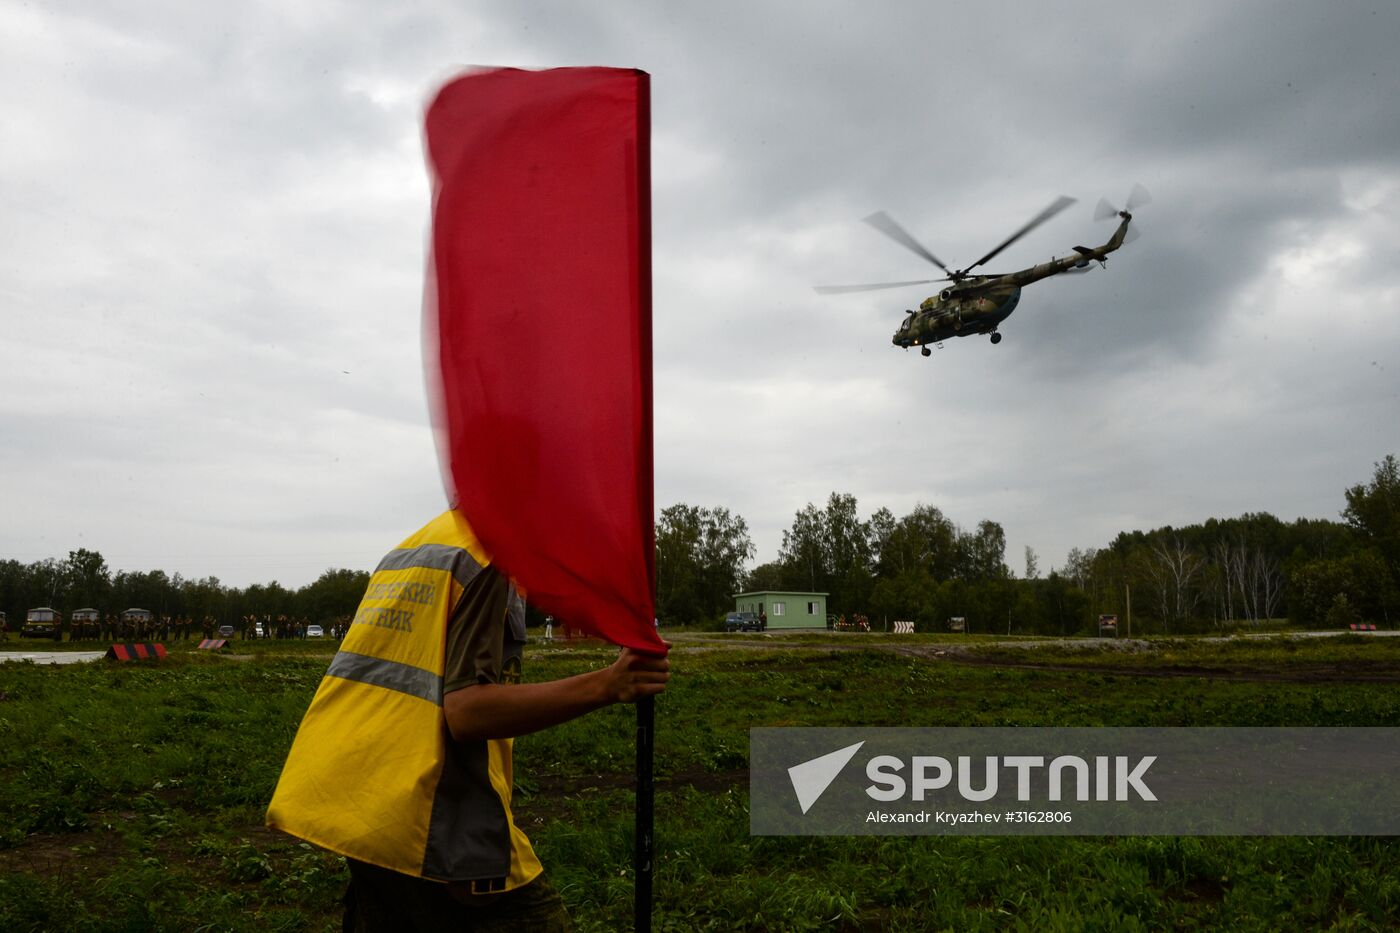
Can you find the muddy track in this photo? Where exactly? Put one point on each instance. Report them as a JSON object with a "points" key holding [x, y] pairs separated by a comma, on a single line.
{"points": [[1316, 674], [1353, 673]]}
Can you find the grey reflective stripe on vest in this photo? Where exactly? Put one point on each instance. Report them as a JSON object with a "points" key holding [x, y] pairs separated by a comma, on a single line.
{"points": [[392, 675], [455, 560]]}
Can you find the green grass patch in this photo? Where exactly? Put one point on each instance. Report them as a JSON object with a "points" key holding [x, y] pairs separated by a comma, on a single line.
{"points": [[131, 795], [1284, 653]]}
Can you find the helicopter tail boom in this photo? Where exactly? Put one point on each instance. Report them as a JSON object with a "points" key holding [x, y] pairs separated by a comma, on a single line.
{"points": [[1083, 255], [1116, 240]]}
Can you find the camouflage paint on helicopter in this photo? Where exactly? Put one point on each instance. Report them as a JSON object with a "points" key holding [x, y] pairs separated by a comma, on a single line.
{"points": [[977, 304], [937, 319]]}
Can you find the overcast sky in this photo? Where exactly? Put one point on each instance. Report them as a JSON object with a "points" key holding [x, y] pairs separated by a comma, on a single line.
{"points": [[213, 219]]}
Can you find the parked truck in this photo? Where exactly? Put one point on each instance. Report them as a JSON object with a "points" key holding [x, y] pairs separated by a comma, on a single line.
{"points": [[43, 623]]}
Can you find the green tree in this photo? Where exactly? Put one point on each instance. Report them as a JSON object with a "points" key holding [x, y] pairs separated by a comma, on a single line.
{"points": [[13, 580], [847, 558], [1065, 607], [89, 580], [46, 585], [985, 553], [1374, 511], [879, 531], [925, 540], [333, 594], [701, 554], [678, 564], [725, 550], [1316, 584], [769, 576], [153, 590], [803, 551], [205, 597], [913, 596]]}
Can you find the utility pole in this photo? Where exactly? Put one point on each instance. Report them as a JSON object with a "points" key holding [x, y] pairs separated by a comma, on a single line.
{"points": [[1128, 598]]}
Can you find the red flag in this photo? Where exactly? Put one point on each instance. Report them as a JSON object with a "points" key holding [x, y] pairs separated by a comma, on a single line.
{"points": [[539, 297]]}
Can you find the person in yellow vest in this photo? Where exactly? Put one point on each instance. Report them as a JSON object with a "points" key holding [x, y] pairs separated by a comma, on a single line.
{"points": [[403, 762]]}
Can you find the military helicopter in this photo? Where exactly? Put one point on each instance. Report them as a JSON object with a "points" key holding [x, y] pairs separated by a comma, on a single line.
{"points": [[977, 304]]}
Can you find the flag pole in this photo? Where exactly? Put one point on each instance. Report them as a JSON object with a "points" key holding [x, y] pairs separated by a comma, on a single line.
{"points": [[645, 843]]}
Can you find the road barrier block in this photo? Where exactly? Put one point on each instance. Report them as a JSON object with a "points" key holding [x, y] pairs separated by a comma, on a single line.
{"points": [[903, 628], [135, 652], [213, 644]]}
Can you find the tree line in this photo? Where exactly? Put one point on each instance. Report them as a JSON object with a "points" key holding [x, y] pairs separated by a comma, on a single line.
{"points": [[923, 567], [1218, 574], [83, 580]]}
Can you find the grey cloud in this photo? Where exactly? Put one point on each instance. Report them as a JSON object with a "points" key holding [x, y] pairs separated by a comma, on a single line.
{"points": [[233, 205]]}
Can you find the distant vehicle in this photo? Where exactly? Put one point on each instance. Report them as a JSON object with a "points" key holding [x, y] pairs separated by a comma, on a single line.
{"points": [[957, 624], [315, 631], [226, 631], [85, 623], [1108, 625], [42, 623], [259, 631], [741, 622], [138, 616]]}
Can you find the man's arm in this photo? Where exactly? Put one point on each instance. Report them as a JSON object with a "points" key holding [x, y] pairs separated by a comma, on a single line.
{"points": [[504, 711]]}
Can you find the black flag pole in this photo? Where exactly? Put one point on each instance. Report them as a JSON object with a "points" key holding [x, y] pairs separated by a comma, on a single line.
{"points": [[646, 706], [645, 844]]}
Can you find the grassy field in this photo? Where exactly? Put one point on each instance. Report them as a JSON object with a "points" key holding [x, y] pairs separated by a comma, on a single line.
{"points": [[131, 795]]}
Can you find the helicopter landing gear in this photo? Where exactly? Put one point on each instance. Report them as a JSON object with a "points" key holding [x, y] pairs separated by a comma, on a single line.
{"points": [[996, 338], [925, 351]]}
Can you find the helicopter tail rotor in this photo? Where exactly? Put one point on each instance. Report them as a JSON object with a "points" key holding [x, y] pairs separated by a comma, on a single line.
{"points": [[1136, 198]]}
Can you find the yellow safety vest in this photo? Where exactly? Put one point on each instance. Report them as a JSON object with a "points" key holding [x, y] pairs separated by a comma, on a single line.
{"points": [[373, 773]]}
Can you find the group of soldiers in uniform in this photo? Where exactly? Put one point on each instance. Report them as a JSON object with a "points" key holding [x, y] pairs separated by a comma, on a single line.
{"points": [[131, 627], [126, 628], [283, 626]]}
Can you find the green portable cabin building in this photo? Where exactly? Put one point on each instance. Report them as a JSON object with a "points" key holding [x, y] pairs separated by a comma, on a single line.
{"points": [[785, 609]]}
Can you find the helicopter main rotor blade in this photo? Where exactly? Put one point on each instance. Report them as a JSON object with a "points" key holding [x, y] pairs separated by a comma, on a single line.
{"points": [[1060, 204], [1105, 210], [846, 289], [887, 225]]}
